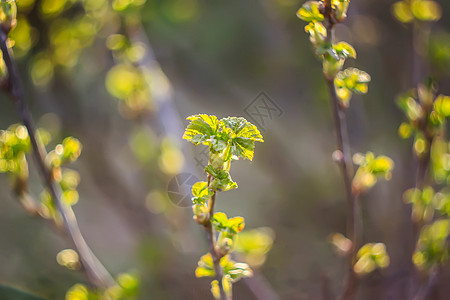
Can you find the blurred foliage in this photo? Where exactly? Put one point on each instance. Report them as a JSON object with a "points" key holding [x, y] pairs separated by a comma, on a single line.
{"points": [[432, 246], [370, 257], [407, 11], [126, 289], [370, 168]]}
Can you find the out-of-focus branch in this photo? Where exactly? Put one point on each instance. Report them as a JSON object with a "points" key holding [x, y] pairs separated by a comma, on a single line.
{"points": [[428, 288], [95, 271], [343, 157]]}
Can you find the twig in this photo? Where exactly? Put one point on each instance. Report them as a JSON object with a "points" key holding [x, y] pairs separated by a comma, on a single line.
{"points": [[212, 244], [95, 271], [345, 161], [427, 289], [261, 288]]}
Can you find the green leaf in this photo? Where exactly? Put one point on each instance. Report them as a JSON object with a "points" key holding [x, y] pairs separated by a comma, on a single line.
{"points": [[344, 50], [232, 226], [405, 130], [317, 34], [217, 173], [412, 109], [236, 224], [381, 165], [215, 289], [201, 192], [432, 247], [234, 269], [222, 179], [442, 105], [341, 7], [72, 149], [370, 169], [201, 129], [256, 241], [350, 81], [205, 267], [309, 12], [243, 136], [220, 221], [370, 257], [423, 203]]}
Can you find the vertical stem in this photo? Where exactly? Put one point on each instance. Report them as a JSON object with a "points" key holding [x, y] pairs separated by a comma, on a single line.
{"points": [[211, 237], [95, 271], [345, 162]]}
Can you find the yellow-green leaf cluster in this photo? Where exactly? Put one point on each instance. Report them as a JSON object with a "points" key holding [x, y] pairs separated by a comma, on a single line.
{"points": [[370, 168], [432, 247], [350, 81], [426, 115], [127, 288], [370, 257], [253, 245], [333, 55], [422, 203]]}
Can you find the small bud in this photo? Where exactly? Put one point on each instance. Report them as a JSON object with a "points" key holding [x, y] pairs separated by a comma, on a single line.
{"points": [[217, 160], [337, 156], [201, 213], [224, 245]]}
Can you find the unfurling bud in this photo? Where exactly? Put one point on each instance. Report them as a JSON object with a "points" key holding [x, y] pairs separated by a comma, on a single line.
{"points": [[201, 213], [224, 245]]}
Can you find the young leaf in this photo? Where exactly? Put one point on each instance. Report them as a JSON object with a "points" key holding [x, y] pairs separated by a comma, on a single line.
{"points": [[205, 267], [233, 225], [309, 12], [370, 168], [350, 81], [370, 257], [344, 50], [201, 192], [222, 179], [235, 270], [201, 129], [243, 136], [432, 247]]}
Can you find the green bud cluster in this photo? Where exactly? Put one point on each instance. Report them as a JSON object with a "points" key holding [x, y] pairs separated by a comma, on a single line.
{"points": [[14, 148], [333, 55]]}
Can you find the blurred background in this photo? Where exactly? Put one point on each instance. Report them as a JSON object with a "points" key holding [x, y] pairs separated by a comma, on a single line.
{"points": [[122, 76]]}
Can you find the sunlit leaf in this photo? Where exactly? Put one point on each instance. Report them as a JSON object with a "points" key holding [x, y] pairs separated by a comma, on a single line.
{"points": [[243, 136], [309, 12], [205, 267], [201, 128], [370, 257]]}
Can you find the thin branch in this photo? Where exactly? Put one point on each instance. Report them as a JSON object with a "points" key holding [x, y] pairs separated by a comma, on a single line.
{"points": [[95, 271], [345, 162], [211, 237], [428, 288]]}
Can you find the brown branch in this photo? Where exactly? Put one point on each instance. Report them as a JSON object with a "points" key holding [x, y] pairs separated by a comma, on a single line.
{"points": [[95, 271], [428, 288], [211, 238], [344, 159]]}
